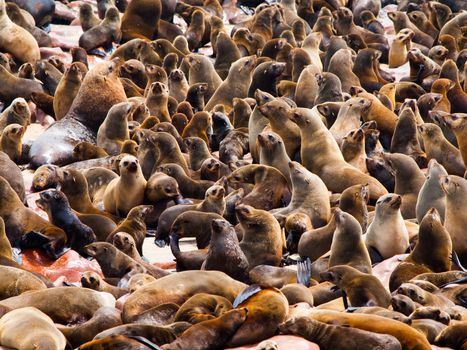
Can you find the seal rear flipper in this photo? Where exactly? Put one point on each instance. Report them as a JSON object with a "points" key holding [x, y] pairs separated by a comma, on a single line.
{"points": [[304, 272], [246, 293], [33, 239]]}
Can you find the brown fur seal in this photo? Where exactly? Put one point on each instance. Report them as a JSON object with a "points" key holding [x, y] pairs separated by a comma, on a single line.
{"points": [[115, 263], [211, 333], [262, 240], [178, 288], [134, 225], [438, 147], [267, 308], [67, 89], [409, 181], [74, 184], [405, 138], [347, 247], [224, 253], [99, 91], [103, 34], [30, 328], [199, 126], [23, 87], [202, 71], [194, 223], [92, 280], [309, 196], [327, 163], [18, 281], [17, 40], [60, 214], [104, 318], [85, 150], [11, 141], [269, 185], [388, 226], [77, 304], [141, 20], [17, 113], [276, 112], [117, 199], [20, 220], [433, 251], [431, 194], [407, 336], [202, 307], [455, 188], [240, 75], [188, 187], [330, 336], [457, 125], [114, 130], [214, 201], [126, 243]]}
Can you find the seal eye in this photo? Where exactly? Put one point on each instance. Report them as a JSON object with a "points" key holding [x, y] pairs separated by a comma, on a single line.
{"points": [[125, 163]]}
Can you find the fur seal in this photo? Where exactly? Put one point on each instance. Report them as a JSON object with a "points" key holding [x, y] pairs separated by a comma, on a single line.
{"points": [[77, 304], [329, 162], [17, 40], [141, 20], [330, 336], [408, 337], [269, 185], [314, 201], [67, 89], [103, 34], [240, 75], [75, 186], [348, 247], [262, 240], [224, 253], [85, 150], [115, 263], [16, 326], [11, 141], [114, 130], [438, 147], [104, 318], [214, 201], [455, 188], [433, 251], [134, 225], [211, 333], [409, 181], [387, 234], [99, 91], [92, 280], [431, 194], [267, 308], [117, 199], [202, 307], [178, 288], [57, 207]]}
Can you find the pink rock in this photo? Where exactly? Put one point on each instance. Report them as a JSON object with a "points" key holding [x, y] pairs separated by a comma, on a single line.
{"points": [[286, 342], [384, 269]]}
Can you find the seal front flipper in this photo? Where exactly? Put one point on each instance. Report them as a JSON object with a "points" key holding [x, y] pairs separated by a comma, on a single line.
{"points": [[375, 256]]}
